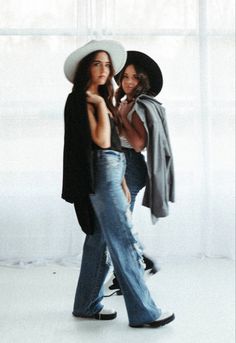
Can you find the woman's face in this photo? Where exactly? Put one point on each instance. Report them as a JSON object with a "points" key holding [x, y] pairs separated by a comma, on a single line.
{"points": [[130, 80], [100, 68]]}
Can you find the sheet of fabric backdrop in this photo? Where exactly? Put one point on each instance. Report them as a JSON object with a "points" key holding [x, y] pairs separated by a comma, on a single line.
{"points": [[193, 42]]}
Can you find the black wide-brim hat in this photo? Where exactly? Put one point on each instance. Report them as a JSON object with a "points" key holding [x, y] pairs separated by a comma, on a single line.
{"points": [[149, 65]]}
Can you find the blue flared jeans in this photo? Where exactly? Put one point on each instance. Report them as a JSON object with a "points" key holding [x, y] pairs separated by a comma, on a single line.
{"points": [[113, 233]]}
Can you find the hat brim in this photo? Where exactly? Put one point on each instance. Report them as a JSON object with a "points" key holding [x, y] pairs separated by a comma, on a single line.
{"points": [[113, 48], [149, 65]]}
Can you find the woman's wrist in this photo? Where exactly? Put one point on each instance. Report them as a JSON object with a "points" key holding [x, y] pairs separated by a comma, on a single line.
{"points": [[100, 102]]}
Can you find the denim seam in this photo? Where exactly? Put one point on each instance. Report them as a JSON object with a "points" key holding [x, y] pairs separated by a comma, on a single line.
{"points": [[96, 288]]}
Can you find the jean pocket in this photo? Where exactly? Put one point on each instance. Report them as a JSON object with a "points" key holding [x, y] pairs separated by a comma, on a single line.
{"points": [[109, 161]]}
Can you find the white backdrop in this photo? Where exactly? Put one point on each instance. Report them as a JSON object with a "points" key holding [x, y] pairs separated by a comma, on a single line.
{"points": [[193, 42]]}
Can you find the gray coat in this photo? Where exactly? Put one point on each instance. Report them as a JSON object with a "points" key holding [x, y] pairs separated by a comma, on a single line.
{"points": [[160, 184]]}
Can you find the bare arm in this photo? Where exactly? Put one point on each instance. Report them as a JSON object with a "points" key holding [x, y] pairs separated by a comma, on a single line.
{"points": [[100, 127], [126, 190], [135, 132]]}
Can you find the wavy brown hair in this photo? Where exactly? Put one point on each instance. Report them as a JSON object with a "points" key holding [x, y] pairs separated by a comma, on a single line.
{"points": [[143, 86], [82, 80]]}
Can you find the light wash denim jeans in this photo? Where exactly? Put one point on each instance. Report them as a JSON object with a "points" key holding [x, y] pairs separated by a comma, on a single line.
{"points": [[113, 230]]}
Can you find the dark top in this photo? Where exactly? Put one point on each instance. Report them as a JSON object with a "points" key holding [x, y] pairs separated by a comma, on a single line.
{"points": [[78, 159], [115, 139]]}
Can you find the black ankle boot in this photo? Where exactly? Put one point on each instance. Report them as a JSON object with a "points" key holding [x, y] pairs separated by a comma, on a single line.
{"points": [[112, 286], [150, 268]]}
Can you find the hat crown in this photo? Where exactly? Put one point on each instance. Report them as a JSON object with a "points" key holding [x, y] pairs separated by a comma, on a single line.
{"points": [[115, 50]]}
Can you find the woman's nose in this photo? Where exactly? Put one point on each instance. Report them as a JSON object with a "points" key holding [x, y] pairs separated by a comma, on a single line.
{"points": [[103, 68]]}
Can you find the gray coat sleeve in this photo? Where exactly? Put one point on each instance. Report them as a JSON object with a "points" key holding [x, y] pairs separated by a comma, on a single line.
{"points": [[160, 184]]}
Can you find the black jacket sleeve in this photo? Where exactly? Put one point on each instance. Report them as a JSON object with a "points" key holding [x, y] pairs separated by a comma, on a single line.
{"points": [[78, 166]]}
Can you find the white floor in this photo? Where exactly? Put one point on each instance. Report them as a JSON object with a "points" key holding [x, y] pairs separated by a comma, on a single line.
{"points": [[36, 304]]}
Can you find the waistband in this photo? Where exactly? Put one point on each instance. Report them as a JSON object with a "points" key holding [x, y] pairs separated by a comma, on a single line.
{"points": [[101, 152], [131, 151], [127, 149]]}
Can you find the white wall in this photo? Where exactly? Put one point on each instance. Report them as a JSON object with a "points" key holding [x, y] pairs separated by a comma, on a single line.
{"points": [[193, 42]]}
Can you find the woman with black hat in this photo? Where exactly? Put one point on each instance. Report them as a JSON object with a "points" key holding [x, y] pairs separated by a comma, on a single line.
{"points": [[143, 125], [93, 179]]}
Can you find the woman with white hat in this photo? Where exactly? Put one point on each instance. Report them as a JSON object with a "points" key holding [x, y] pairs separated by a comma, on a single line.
{"points": [[143, 125], [93, 179]]}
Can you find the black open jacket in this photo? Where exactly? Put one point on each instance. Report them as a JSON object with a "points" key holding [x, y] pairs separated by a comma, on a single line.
{"points": [[78, 179]]}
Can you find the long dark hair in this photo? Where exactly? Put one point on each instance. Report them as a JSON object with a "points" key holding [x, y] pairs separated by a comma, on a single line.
{"points": [[143, 86], [82, 80]]}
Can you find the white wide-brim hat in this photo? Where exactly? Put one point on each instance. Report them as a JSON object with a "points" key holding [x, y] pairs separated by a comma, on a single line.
{"points": [[113, 48]]}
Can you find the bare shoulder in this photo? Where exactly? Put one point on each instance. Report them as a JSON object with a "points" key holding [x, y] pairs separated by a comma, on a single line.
{"points": [[90, 108]]}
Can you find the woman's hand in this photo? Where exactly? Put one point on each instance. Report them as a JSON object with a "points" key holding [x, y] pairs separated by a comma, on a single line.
{"points": [[122, 113], [98, 120], [126, 190], [134, 131], [94, 99]]}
